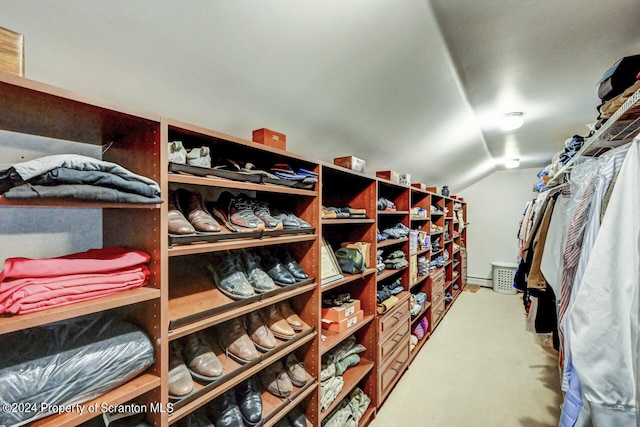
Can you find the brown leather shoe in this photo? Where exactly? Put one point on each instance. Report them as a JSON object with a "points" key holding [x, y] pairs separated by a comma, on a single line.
{"points": [[275, 380], [261, 336], [290, 316], [180, 381], [198, 215], [295, 370], [201, 360], [177, 223], [276, 323], [234, 339]]}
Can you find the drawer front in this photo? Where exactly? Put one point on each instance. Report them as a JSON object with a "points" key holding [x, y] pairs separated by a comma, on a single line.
{"points": [[437, 293], [396, 336], [437, 310], [392, 369], [392, 318]]}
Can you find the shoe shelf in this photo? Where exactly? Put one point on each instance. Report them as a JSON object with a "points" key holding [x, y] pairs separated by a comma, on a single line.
{"points": [[274, 408], [237, 185], [26, 321], [392, 242], [235, 372], [388, 273], [131, 390], [239, 243], [348, 278], [352, 377], [66, 203], [393, 213], [347, 221], [330, 339]]}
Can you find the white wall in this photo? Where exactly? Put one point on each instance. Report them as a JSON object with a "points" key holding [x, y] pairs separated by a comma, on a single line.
{"points": [[494, 210]]}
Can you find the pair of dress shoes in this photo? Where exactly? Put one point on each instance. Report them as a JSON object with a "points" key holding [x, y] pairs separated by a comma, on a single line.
{"points": [[247, 213], [295, 418], [195, 157], [279, 378], [237, 407], [191, 358], [282, 267], [188, 214], [243, 336]]}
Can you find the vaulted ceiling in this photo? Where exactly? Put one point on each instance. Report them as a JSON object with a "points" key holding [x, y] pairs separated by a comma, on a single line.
{"points": [[408, 85]]}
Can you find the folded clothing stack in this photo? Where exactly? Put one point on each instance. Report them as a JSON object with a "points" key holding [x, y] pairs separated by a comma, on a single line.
{"points": [[29, 285], [68, 362], [423, 266], [349, 411], [386, 205], [396, 260], [334, 364], [346, 212], [398, 231], [72, 176]]}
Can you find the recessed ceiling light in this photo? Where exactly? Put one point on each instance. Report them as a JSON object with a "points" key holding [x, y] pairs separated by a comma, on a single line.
{"points": [[512, 121], [512, 163]]}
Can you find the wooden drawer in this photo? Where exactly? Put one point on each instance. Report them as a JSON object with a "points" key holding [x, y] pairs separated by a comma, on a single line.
{"points": [[393, 317], [392, 369], [437, 293], [437, 310], [393, 339]]}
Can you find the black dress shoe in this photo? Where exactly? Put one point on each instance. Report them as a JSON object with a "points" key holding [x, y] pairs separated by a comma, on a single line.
{"points": [[292, 265], [196, 419], [249, 400], [225, 412], [275, 269], [228, 275], [297, 418]]}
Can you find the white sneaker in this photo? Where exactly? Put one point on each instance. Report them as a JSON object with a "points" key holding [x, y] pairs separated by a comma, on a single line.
{"points": [[199, 157], [177, 153]]}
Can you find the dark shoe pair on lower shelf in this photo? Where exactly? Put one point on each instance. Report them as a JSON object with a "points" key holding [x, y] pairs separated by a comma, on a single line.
{"points": [[243, 336], [295, 418], [188, 214], [242, 274], [191, 357], [280, 377]]}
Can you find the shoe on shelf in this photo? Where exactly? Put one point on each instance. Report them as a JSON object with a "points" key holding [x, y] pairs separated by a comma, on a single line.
{"points": [[177, 223], [290, 221], [276, 323], [274, 268], [262, 211], [258, 278], [177, 153], [240, 211], [201, 360], [199, 157], [228, 275], [297, 417], [290, 316], [295, 370], [249, 401], [199, 418], [283, 422], [224, 411], [235, 341], [259, 333], [180, 381], [292, 265], [275, 380], [197, 213]]}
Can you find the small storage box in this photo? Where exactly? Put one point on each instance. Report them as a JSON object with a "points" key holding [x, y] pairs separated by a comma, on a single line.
{"points": [[503, 274], [270, 138], [344, 324], [419, 185], [405, 178], [336, 314], [389, 175], [351, 162]]}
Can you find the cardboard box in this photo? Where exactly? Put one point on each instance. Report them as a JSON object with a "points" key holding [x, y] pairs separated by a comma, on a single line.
{"points": [[435, 190], [270, 138], [344, 324], [389, 175], [405, 178], [419, 185], [336, 314], [351, 162], [364, 247], [11, 52]]}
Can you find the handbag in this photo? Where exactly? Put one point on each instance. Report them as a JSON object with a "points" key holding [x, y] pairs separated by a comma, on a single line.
{"points": [[350, 260]]}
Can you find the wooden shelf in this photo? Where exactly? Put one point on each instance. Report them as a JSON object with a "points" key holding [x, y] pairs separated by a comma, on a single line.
{"points": [[421, 280], [418, 347], [352, 377], [348, 278], [201, 305], [344, 221], [274, 408], [392, 213], [388, 273], [240, 243], [421, 251], [331, 339], [391, 242], [238, 185], [235, 373], [368, 415], [419, 218], [134, 388], [25, 321], [67, 203]]}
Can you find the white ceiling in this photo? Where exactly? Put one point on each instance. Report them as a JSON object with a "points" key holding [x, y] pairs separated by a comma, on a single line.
{"points": [[398, 83]]}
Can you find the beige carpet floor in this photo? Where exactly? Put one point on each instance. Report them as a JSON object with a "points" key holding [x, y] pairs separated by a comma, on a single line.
{"points": [[479, 368]]}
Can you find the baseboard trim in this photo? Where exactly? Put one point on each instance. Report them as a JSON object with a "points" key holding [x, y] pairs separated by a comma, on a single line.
{"points": [[484, 282]]}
